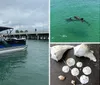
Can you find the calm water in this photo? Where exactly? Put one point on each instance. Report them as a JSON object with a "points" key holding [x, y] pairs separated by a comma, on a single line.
{"points": [[62, 31], [27, 67]]}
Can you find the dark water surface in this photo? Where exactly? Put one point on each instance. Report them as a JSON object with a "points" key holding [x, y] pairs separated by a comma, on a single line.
{"points": [[63, 31], [25, 67]]}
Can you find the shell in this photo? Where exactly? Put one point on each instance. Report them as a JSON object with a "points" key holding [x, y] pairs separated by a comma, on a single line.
{"points": [[87, 70], [84, 79], [61, 77], [65, 69], [73, 82], [83, 50], [57, 51], [75, 72]]}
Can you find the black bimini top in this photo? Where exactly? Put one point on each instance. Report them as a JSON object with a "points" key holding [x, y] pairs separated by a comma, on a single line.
{"points": [[4, 28]]}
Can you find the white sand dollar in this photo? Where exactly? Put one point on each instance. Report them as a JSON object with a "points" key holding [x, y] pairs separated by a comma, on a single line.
{"points": [[65, 69], [70, 62], [84, 79], [57, 51], [87, 70], [75, 72], [79, 64]]}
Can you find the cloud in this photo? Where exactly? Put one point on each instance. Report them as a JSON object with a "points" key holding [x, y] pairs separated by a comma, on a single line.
{"points": [[22, 14]]}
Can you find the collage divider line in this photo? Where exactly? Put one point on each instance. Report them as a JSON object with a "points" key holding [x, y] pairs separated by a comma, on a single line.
{"points": [[49, 44], [74, 42]]}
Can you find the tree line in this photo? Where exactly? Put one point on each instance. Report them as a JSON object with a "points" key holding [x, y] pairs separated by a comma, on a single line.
{"points": [[21, 31]]}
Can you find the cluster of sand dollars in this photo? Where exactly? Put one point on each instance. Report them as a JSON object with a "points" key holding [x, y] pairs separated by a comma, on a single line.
{"points": [[75, 71], [79, 50]]}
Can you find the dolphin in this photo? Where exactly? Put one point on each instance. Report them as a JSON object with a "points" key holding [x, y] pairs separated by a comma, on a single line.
{"points": [[77, 19], [81, 19], [70, 19]]}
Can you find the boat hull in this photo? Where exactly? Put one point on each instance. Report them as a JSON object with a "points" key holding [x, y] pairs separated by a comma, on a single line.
{"points": [[13, 49]]}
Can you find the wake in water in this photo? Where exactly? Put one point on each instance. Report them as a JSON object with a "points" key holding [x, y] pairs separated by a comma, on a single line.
{"points": [[75, 18]]}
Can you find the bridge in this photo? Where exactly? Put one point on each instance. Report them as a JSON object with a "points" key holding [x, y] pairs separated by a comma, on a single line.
{"points": [[29, 36]]}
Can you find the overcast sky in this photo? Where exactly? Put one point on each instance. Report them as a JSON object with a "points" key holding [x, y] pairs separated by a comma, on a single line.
{"points": [[24, 14]]}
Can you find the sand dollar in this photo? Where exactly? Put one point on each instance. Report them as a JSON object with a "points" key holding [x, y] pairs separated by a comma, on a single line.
{"points": [[87, 70], [75, 72], [70, 62], [65, 69], [84, 79], [79, 64]]}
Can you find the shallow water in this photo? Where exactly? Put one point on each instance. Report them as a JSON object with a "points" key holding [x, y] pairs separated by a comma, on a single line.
{"points": [[63, 31], [25, 67]]}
